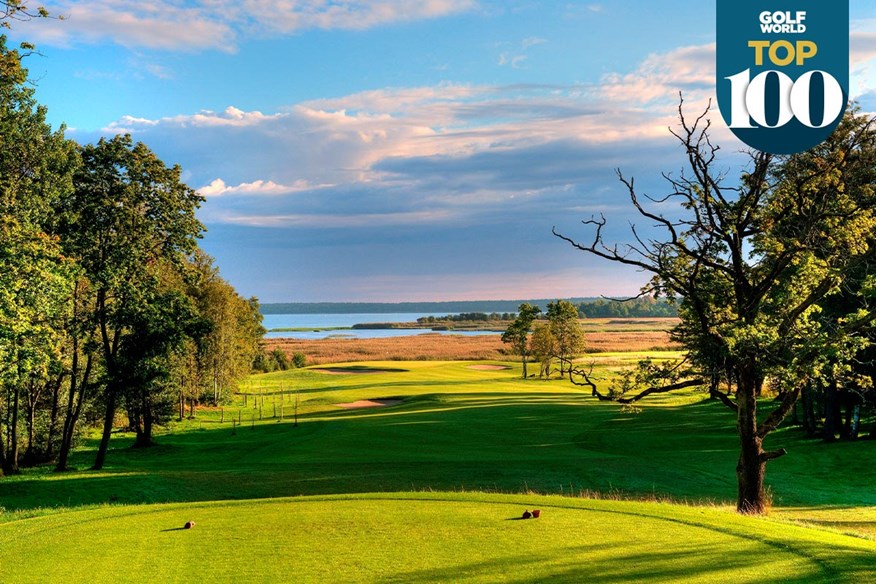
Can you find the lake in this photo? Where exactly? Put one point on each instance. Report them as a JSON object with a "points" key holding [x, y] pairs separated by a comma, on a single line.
{"points": [[323, 321]]}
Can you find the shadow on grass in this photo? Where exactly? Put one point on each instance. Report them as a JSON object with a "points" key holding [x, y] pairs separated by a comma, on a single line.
{"points": [[573, 564], [492, 441]]}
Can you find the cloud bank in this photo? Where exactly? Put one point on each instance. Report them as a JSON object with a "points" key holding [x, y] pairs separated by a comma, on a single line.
{"points": [[219, 24]]}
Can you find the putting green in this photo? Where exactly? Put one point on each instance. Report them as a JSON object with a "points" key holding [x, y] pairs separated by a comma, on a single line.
{"points": [[423, 537]]}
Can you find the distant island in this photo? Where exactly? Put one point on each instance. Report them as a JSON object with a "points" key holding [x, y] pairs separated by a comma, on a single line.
{"points": [[409, 307], [587, 307]]}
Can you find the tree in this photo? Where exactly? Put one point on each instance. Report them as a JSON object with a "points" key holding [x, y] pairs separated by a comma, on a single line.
{"points": [[517, 334], [159, 330], [749, 262], [543, 346], [129, 218], [12, 10], [226, 353], [567, 332], [36, 166]]}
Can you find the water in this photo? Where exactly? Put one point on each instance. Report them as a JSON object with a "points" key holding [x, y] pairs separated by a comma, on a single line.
{"points": [[318, 321]]}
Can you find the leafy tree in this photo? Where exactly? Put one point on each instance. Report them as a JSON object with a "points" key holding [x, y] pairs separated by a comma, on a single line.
{"points": [[159, 329], [36, 165], [543, 346], [517, 334], [567, 332], [12, 10], [299, 360], [750, 261], [129, 218], [226, 353]]}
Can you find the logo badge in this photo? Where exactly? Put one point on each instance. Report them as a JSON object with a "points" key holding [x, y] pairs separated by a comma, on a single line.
{"points": [[782, 71]]}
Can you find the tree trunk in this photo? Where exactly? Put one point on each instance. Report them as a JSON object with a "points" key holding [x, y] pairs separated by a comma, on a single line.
{"points": [[524, 366], [69, 419], [751, 467], [30, 455], [846, 421], [3, 440], [831, 411], [108, 419], [808, 406], [148, 420], [142, 421], [73, 411], [11, 463], [53, 418], [855, 425]]}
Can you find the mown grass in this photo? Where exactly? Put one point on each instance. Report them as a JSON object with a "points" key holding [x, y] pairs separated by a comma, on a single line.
{"points": [[425, 537], [473, 435]]}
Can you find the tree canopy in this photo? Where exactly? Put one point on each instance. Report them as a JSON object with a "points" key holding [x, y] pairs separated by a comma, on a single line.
{"points": [[105, 299]]}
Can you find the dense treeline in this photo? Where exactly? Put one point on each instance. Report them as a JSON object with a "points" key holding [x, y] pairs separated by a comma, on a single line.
{"points": [[107, 305], [468, 317], [644, 307], [449, 307]]}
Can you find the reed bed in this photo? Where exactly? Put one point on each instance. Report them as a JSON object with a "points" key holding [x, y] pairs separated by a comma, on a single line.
{"points": [[438, 347]]}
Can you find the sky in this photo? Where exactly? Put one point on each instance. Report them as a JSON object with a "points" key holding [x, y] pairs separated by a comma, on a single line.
{"points": [[401, 150]]}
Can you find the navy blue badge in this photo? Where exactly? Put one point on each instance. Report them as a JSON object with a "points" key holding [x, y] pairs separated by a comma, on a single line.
{"points": [[782, 70]]}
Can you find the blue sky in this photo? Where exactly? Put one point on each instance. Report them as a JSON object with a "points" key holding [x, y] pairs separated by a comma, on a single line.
{"points": [[391, 150]]}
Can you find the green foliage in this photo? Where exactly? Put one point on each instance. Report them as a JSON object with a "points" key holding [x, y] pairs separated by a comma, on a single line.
{"points": [[517, 333], [467, 317], [105, 300], [225, 353], [568, 335], [644, 307], [130, 225], [277, 360], [752, 262], [544, 348], [36, 279]]}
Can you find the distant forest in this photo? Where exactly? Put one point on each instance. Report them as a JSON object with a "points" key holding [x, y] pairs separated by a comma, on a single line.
{"points": [[587, 307]]}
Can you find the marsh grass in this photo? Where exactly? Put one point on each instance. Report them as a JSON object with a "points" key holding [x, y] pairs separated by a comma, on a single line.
{"points": [[602, 335]]}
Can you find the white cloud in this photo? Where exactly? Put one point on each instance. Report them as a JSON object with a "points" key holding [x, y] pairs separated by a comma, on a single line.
{"points": [[231, 117], [340, 220], [515, 56], [862, 51], [287, 16], [862, 46], [532, 41], [662, 76], [219, 24], [158, 24], [218, 188], [422, 155]]}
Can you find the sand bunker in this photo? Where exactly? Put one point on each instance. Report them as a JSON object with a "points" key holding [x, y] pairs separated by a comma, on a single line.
{"points": [[489, 367], [370, 403]]}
